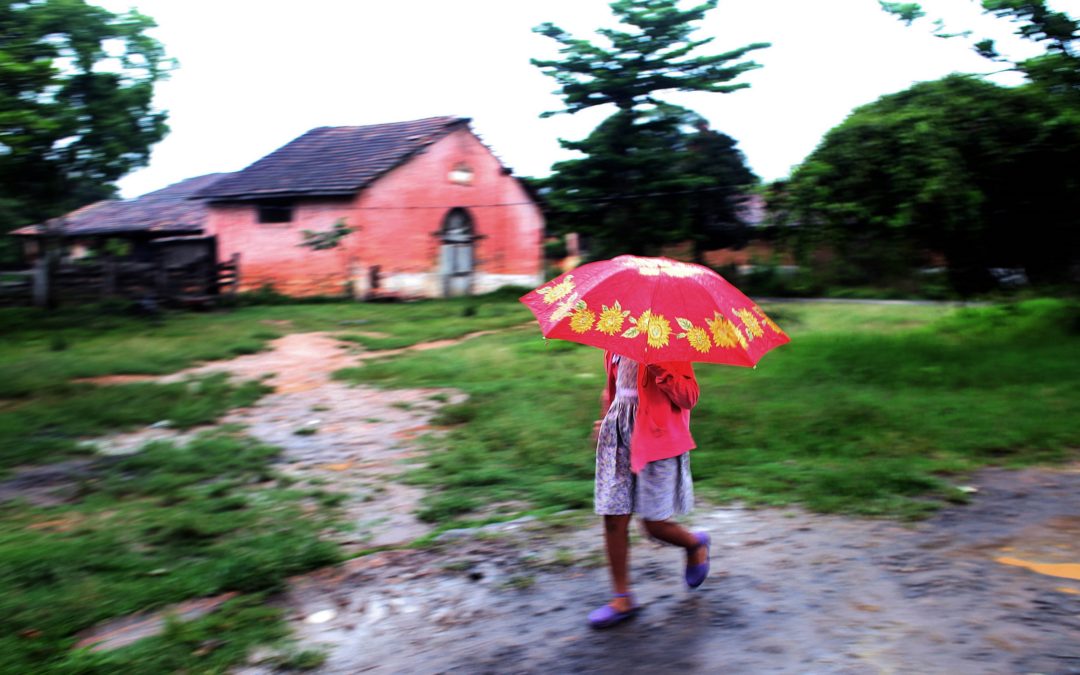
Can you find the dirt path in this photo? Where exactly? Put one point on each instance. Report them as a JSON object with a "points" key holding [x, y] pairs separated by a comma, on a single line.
{"points": [[791, 593], [350, 440]]}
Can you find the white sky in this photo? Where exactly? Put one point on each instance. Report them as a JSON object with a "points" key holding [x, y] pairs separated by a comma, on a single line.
{"points": [[253, 75]]}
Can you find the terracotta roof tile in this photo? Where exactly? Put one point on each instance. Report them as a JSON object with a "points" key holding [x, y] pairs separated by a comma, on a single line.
{"points": [[332, 160]]}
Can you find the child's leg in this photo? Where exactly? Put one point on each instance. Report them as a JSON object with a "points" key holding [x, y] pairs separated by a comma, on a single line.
{"points": [[617, 543], [677, 535]]}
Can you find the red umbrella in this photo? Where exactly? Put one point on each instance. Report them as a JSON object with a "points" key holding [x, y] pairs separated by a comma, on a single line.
{"points": [[654, 310]]}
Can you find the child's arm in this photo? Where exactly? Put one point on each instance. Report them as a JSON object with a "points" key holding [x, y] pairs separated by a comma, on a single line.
{"points": [[681, 386]]}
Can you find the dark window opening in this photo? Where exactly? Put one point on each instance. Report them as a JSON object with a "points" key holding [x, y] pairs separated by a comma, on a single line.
{"points": [[275, 212]]}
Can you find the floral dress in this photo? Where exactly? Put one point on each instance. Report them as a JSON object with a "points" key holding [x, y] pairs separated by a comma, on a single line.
{"points": [[662, 489]]}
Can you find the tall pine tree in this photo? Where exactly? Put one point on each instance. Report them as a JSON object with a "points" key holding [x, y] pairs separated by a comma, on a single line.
{"points": [[653, 172]]}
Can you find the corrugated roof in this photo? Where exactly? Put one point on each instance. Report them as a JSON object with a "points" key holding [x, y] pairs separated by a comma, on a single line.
{"points": [[332, 160], [168, 210]]}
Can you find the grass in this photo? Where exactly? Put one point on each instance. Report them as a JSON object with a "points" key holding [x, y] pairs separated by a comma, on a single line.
{"points": [[45, 411], [169, 523], [873, 410], [50, 426], [44, 351], [165, 525]]}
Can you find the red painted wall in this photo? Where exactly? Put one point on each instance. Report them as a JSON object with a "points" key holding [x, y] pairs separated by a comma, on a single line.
{"points": [[397, 220]]}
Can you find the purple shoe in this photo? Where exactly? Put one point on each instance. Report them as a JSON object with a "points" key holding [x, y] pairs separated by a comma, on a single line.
{"points": [[696, 574], [607, 616]]}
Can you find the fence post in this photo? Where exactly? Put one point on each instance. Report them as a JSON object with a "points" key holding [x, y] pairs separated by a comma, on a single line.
{"points": [[44, 291], [108, 283], [161, 282]]}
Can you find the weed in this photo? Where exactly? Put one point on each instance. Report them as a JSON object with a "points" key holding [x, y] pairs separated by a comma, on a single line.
{"points": [[457, 413], [307, 659], [330, 499], [563, 557], [458, 565], [520, 582]]}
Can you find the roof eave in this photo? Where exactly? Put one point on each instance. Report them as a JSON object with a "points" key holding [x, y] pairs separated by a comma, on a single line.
{"points": [[284, 194]]}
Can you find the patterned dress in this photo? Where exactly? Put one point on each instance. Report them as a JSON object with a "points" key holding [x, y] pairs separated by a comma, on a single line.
{"points": [[662, 489]]}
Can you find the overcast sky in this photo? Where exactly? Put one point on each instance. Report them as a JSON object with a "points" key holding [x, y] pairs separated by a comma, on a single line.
{"points": [[253, 75]]}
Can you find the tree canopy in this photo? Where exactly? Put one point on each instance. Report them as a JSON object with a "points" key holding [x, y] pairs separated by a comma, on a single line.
{"points": [[652, 172], [1056, 70], [76, 113], [984, 175]]}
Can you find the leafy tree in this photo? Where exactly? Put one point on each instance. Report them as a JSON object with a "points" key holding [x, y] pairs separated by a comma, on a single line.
{"points": [[76, 114], [1056, 70], [645, 170], [984, 175]]}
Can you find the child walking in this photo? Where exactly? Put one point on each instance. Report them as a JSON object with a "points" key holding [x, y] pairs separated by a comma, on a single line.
{"points": [[643, 467]]}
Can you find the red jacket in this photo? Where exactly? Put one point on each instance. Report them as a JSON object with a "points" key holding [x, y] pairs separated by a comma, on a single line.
{"points": [[666, 393]]}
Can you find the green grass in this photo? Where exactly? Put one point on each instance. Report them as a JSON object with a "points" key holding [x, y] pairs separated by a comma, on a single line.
{"points": [[872, 409], [165, 525], [50, 426], [44, 351], [45, 412]]}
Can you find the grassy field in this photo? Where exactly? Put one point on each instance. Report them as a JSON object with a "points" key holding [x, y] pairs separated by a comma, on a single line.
{"points": [[170, 523], [45, 411], [165, 525], [872, 409]]}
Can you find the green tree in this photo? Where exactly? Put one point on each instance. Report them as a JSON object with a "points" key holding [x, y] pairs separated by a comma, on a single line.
{"points": [[982, 174], [76, 113], [1056, 70], [641, 181]]}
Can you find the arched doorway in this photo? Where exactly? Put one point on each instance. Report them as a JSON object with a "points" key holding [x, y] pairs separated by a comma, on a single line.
{"points": [[456, 258]]}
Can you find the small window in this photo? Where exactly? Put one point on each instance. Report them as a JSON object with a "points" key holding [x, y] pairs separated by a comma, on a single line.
{"points": [[461, 174], [275, 212]]}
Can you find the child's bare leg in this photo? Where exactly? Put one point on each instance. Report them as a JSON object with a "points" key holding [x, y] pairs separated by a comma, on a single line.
{"points": [[617, 543], [677, 535]]}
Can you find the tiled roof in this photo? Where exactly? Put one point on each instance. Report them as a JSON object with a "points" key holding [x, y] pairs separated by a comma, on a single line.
{"points": [[168, 210], [333, 160]]}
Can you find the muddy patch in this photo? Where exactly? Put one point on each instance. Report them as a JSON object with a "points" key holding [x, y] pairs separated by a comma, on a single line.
{"points": [[351, 442]]}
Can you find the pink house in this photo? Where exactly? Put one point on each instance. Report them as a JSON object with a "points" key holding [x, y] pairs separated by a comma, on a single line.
{"points": [[432, 212]]}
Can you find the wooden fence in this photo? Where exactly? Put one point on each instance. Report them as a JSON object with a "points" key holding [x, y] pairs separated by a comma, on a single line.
{"points": [[169, 280]]}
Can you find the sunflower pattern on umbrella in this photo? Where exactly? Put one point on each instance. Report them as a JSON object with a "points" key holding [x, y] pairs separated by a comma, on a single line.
{"points": [[656, 328], [664, 310]]}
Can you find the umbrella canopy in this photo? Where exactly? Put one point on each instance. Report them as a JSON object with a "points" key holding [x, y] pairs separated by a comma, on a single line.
{"points": [[654, 310]]}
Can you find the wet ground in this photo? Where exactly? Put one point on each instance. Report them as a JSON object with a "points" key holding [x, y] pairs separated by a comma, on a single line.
{"points": [[988, 587], [343, 439], [791, 592]]}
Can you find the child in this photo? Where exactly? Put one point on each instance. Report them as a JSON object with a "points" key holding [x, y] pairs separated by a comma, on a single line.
{"points": [[643, 467]]}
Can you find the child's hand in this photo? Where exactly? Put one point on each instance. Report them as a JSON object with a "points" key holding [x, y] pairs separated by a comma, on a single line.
{"points": [[596, 430]]}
